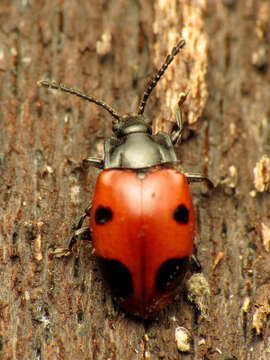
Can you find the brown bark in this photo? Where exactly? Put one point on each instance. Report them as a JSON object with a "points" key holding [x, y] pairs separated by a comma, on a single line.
{"points": [[59, 309]]}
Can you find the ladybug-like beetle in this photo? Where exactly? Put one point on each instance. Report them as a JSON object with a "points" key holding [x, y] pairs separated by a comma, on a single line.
{"points": [[141, 216]]}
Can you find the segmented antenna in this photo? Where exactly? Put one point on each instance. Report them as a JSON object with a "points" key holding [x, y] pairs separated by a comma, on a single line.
{"points": [[161, 71], [53, 85]]}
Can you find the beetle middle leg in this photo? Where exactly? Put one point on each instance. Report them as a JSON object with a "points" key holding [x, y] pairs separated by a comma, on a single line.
{"points": [[78, 232], [199, 178]]}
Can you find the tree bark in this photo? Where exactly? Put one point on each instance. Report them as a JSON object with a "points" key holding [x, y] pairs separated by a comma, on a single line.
{"points": [[59, 308]]}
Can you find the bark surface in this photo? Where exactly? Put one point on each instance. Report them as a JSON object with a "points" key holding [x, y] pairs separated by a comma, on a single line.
{"points": [[59, 308]]}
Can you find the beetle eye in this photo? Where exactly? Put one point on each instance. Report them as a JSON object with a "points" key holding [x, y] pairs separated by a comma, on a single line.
{"points": [[170, 274], [116, 127]]}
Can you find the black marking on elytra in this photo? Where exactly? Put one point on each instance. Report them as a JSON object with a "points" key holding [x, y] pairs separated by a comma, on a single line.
{"points": [[181, 214], [171, 273], [118, 277], [103, 215]]}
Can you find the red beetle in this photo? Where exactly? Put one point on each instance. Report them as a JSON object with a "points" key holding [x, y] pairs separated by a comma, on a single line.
{"points": [[141, 217]]}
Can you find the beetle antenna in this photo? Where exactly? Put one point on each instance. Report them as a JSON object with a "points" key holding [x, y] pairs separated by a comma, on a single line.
{"points": [[160, 72], [53, 85]]}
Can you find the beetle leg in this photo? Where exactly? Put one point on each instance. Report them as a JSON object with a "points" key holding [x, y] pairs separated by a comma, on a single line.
{"points": [[78, 232], [176, 135], [98, 163], [195, 263], [198, 178]]}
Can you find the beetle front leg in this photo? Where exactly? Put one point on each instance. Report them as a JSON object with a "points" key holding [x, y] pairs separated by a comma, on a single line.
{"points": [[177, 134], [78, 232], [92, 161]]}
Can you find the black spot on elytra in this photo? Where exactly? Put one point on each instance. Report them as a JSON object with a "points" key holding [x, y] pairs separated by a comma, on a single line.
{"points": [[171, 273], [117, 276], [181, 214], [103, 215]]}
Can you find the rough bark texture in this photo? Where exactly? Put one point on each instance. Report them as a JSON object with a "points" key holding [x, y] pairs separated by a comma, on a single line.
{"points": [[60, 309]]}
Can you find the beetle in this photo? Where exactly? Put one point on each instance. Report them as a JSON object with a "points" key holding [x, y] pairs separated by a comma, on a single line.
{"points": [[141, 217]]}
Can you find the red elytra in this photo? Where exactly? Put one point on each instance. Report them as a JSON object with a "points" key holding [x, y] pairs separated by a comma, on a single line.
{"points": [[142, 221], [141, 218]]}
